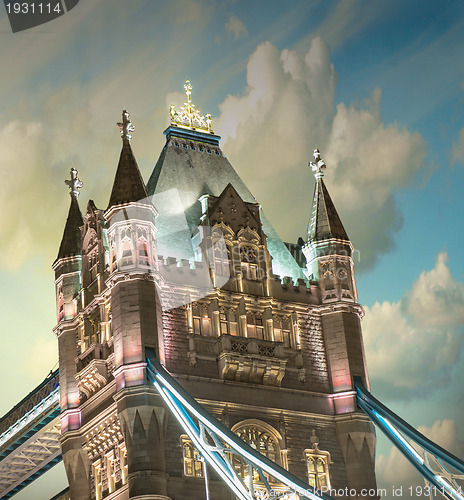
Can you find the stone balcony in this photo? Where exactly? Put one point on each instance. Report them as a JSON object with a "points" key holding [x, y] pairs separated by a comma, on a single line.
{"points": [[242, 359]]}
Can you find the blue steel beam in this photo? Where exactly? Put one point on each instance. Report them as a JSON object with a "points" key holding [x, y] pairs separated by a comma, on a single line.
{"points": [[186, 409], [392, 425]]}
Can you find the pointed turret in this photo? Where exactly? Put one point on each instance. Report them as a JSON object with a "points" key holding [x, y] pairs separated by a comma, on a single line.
{"points": [[324, 222], [328, 249], [128, 184], [71, 240]]}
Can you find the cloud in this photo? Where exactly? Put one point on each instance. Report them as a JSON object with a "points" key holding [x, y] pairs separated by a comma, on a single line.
{"points": [[236, 26], [395, 470], [288, 107], [413, 344]]}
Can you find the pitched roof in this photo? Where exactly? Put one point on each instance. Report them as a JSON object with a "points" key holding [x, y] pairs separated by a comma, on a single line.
{"points": [[324, 223], [71, 240], [189, 167], [128, 183]]}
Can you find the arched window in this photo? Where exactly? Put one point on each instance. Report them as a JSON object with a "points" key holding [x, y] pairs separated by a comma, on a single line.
{"points": [[126, 256], [142, 247], [221, 258], [263, 438], [249, 262], [193, 464], [317, 464], [60, 305]]}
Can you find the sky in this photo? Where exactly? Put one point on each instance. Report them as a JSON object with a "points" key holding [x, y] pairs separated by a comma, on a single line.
{"points": [[378, 87]]}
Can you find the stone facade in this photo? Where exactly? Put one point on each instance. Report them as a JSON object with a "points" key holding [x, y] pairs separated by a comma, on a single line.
{"points": [[272, 357]]}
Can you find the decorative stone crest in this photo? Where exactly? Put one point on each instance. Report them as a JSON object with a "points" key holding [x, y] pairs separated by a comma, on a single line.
{"points": [[318, 165], [74, 184], [188, 116], [126, 126]]}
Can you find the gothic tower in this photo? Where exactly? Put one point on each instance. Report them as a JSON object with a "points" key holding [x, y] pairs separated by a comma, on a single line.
{"points": [[189, 266]]}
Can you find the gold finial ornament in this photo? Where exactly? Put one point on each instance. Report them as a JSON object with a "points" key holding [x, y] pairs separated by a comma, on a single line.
{"points": [[188, 116]]}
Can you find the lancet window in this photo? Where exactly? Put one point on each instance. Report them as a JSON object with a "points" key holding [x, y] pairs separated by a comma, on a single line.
{"points": [[111, 471], [193, 464], [221, 258], [317, 464], [127, 258], [249, 262], [60, 305], [142, 247]]}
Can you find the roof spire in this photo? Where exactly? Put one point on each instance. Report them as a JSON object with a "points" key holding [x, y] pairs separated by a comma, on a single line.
{"points": [[318, 165], [126, 127], [188, 116], [128, 184], [74, 184], [324, 222], [71, 240]]}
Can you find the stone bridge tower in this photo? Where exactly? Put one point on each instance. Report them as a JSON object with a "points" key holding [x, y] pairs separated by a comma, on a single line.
{"points": [[188, 265]]}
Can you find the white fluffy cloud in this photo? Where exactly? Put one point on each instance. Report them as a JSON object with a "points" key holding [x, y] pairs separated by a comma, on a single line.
{"points": [[287, 109], [415, 343]]}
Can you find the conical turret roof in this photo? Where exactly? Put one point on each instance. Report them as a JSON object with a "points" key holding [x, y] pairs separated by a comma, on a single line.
{"points": [[324, 222], [71, 240], [128, 183]]}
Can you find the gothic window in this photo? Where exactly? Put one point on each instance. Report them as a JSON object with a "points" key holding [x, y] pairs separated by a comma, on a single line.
{"points": [[227, 321], [201, 321], [224, 324], [317, 464], [282, 329], [255, 328], [142, 247], [126, 257], [249, 262], [221, 258], [193, 464], [261, 437]]}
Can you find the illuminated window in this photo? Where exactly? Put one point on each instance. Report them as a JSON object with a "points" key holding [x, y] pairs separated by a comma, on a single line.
{"points": [[60, 305], [255, 328], [282, 329], [201, 321], [249, 263], [264, 439], [93, 266], [193, 464], [221, 258], [317, 464]]}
